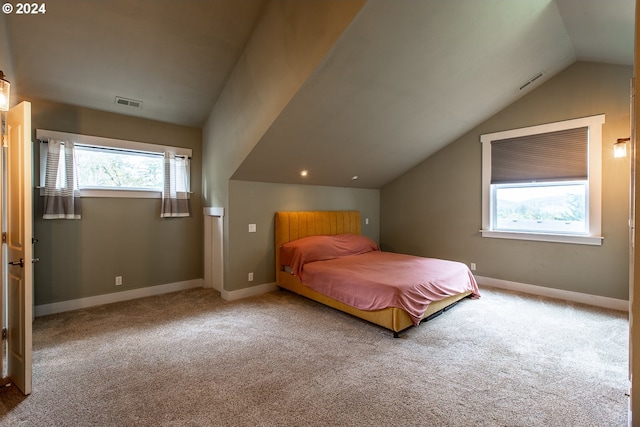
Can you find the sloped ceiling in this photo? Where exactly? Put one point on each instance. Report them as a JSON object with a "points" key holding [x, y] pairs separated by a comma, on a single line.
{"points": [[409, 77], [173, 55], [405, 79]]}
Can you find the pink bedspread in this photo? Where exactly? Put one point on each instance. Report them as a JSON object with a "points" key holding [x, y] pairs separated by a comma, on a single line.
{"points": [[377, 280]]}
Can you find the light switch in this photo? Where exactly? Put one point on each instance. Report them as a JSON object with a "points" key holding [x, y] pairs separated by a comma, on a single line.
{"points": [[252, 228]]}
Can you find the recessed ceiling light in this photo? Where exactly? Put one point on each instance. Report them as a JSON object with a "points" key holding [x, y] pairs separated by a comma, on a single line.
{"points": [[304, 172]]}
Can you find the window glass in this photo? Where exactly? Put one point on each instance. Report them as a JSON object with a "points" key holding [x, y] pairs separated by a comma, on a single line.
{"points": [[118, 169], [549, 207]]}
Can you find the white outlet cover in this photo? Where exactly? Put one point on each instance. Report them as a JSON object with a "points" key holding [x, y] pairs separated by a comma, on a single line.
{"points": [[252, 228]]}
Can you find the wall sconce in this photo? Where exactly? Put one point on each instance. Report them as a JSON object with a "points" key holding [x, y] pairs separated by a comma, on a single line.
{"points": [[5, 88], [620, 147]]}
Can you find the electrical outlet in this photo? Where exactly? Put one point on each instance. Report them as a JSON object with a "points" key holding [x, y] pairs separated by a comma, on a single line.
{"points": [[473, 266], [251, 277], [118, 280], [252, 228]]}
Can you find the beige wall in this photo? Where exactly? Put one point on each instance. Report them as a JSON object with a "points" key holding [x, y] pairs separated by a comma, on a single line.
{"points": [[115, 237], [6, 65], [257, 203], [289, 42], [435, 209]]}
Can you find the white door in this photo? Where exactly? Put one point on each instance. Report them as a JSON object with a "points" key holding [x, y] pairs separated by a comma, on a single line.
{"points": [[18, 268]]}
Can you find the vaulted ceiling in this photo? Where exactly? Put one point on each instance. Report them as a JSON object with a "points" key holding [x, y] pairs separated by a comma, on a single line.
{"points": [[173, 55], [406, 78]]}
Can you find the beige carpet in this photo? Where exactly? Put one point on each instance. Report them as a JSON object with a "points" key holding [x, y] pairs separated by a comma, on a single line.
{"points": [[191, 359]]}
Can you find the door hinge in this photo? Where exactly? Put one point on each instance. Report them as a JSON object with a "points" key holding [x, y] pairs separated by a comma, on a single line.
{"points": [[4, 237], [4, 334]]}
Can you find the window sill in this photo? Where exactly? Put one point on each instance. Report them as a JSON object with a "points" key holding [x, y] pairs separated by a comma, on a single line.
{"points": [[541, 237], [122, 194]]}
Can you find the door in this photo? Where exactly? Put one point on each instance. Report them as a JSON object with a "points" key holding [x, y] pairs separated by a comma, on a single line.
{"points": [[632, 246], [17, 221]]}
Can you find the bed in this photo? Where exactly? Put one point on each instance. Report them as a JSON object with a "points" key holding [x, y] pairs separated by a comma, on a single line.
{"points": [[298, 233]]}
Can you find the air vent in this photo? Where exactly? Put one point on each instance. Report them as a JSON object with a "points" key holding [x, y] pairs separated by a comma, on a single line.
{"points": [[531, 80], [128, 102]]}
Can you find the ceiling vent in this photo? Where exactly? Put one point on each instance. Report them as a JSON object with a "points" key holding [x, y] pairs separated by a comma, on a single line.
{"points": [[128, 102], [531, 80]]}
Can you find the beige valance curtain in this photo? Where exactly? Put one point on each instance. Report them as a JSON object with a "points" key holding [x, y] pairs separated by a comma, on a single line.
{"points": [[177, 186], [61, 191]]}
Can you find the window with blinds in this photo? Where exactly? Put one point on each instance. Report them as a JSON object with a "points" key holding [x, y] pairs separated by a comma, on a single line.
{"points": [[543, 182], [551, 156]]}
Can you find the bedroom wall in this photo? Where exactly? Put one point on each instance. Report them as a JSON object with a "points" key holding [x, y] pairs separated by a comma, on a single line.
{"points": [[116, 236], [6, 64], [257, 203], [435, 209], [289, 42]]}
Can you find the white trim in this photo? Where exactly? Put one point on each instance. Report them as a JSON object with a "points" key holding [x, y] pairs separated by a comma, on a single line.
{"points": [[76, 304], [214, 250], [594, 123], [544, 128], [249, 292], [99, 141], [213, 211], [595, 300], [541, 237], [123, 193]]}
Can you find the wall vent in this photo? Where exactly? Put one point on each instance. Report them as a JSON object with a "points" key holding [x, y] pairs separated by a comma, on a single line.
{"points": [[531, 80], [128, 102]]}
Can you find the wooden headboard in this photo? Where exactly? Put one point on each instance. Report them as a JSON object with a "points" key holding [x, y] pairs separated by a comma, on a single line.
{"points": [[296, 225]]}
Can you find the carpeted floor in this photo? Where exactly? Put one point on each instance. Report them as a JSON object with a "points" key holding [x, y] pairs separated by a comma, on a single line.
{"points": [[192, 359]]}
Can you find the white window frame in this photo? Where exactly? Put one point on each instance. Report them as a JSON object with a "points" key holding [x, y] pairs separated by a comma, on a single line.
{"points": [[97, 141], [594, 198]]}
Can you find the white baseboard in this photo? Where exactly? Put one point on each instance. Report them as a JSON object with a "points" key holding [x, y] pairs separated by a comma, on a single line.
{"points": [[595, 300], [59, 307], [249, 292]]}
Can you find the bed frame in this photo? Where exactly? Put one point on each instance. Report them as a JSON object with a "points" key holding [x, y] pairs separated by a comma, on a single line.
{"points": [[296, 225]]}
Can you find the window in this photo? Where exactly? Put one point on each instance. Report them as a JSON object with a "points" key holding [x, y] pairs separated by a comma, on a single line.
{"points": [[544, 182], [106, 168], [541, 207], [115, 168]]}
